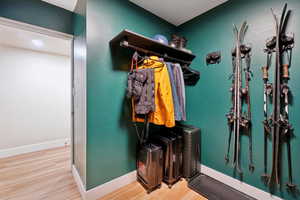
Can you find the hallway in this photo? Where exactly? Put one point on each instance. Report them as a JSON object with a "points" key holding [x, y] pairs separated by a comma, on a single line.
{"points": [[43, 175]]}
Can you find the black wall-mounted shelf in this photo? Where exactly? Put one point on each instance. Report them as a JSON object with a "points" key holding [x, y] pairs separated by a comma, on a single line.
{"points": [[140, 43]]}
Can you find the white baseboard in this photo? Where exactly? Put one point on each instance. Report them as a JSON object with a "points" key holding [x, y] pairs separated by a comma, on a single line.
{"points": [[126, 179], [34, 147], [238, 185], [111, 186], [79, 182], [105, 188]]}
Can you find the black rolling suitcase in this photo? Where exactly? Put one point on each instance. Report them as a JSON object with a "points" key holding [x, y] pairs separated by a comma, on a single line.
{"points": [[191, 149], [150, 166], [179, 155], [172, 158]]}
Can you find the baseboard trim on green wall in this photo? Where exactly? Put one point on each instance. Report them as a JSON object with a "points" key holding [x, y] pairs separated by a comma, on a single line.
{"points": [[104, 189], [111, 186], [79, 182], [238, 185], [130, 177]]}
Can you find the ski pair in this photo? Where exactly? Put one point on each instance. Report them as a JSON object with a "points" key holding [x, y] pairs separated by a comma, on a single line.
{"points": [[277, 126], [237, 122]]}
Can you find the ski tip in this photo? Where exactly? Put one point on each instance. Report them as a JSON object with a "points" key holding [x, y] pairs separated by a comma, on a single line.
{"points": [[233, 165], [235, 28], [239, 171], [270, 180], [284, 9], [272, 11]]}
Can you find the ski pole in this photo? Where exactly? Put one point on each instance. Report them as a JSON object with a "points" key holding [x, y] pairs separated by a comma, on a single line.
{"points": [[287, 126], [229, 138], [249, 125]]}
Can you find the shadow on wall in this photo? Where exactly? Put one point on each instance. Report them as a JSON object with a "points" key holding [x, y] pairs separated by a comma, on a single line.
{"points": [[121, 59], [126, 124]]}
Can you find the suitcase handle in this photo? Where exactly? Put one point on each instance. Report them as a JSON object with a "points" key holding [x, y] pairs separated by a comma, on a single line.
{"points": [[198, 155]]}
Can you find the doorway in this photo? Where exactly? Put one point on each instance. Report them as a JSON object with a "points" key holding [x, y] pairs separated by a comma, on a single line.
{"points": [[36, 118]]}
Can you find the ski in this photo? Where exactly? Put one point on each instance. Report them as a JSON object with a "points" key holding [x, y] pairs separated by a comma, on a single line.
{"points": [[266, 122], [238, 122], [279, 126]]}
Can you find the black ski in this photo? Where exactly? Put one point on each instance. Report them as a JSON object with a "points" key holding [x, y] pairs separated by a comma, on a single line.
{"points": [[281, 44]]}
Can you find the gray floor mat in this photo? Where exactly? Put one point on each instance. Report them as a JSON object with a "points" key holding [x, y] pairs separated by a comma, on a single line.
{"points": [[215, 190]]}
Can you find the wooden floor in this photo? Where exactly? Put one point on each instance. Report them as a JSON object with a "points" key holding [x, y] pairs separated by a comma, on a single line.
{"points": [[46, 175], [135, 191], [43, 175]]}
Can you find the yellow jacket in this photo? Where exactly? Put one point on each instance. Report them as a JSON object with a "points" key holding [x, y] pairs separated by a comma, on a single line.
{"points": [[164, 108]]}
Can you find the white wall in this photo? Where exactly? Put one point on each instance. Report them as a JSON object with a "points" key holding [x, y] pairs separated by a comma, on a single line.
{"points": [[35, 97]]}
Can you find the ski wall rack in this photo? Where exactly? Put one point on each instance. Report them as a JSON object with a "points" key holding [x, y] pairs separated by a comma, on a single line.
{"points": [[140, 43]]}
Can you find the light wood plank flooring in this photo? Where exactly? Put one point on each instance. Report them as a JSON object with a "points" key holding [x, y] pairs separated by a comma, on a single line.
{"points": [[135, 191], [46, 175], [43, 175]]}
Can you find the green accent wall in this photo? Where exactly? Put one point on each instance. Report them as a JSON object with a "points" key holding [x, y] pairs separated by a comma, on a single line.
{"points": [[209, 100], [111, 139], [38, 13]]}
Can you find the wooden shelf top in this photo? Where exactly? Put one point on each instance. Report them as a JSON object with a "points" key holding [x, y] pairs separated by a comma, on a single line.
{"points": [[149, 44]]}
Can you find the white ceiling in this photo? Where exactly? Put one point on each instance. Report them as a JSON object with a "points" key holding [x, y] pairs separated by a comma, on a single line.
{"points": [[178, 12], [66, 4], [19, 38]]}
